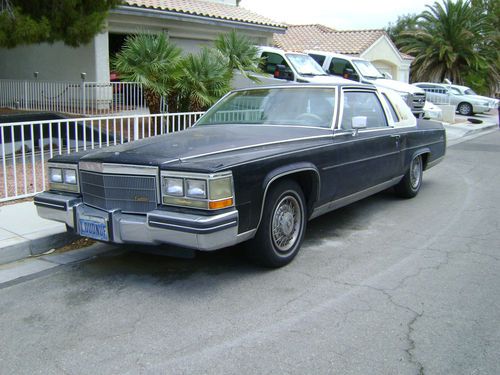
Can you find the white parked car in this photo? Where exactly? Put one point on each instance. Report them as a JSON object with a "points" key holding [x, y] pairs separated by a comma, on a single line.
{"points": [[467, 102], [279, 66], [432, 111], [357, 69]]}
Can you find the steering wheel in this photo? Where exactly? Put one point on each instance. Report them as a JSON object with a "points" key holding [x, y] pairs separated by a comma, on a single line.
{"points": [[307, 116]]}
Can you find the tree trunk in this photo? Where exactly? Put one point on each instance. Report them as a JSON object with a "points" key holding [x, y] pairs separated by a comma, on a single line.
{"points": [[152, 101]]}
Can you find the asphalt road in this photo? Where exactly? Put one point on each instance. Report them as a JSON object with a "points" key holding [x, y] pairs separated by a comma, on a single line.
{"points": [[384, 286]]}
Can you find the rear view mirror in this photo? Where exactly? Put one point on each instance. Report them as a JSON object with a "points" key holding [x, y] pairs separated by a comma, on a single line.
{"points": [[283, 72], [387, 75], [358, 122], [350, 74]]}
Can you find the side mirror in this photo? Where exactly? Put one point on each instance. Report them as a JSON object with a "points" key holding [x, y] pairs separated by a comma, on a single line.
{"points": [[387, 75], [350, 74], [282, 72], [358, 122]]}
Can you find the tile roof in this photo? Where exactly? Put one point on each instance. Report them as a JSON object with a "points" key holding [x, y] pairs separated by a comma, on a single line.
{"points": [[322, 38], [205, 9]]}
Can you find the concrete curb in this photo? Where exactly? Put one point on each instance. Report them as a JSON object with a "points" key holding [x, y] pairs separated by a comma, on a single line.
{"points": [[28, 268], [23, 233], [21, 248]]}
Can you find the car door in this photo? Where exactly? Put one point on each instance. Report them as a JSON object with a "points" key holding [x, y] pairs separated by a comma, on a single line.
{"points": [[366, 158]]}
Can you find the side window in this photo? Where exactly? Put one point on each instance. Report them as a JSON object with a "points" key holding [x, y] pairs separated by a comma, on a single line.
{"points": [[455, 91], [392, 111], [318, 58], [269, 61], [338, 66], [363, 103]]}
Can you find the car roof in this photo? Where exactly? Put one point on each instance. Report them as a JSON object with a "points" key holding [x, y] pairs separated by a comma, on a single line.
{"points": [[332, 54], [348, 85], [277, 50]]}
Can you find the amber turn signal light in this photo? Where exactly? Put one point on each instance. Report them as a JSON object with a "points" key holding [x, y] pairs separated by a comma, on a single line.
{"points": [[217, 205]]}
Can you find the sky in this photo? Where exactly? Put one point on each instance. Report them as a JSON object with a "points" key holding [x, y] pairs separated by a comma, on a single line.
{"points": [[340, 15]]}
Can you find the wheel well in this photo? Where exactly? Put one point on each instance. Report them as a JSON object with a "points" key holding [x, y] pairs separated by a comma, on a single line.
{"points": [[308, 181], [425, 157]]}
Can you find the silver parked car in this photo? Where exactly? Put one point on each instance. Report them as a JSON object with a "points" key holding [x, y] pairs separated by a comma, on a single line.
{"points": [[467, 102]]}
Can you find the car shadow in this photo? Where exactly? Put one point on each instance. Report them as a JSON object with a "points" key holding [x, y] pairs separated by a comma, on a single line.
{"points": [[154, 266]]}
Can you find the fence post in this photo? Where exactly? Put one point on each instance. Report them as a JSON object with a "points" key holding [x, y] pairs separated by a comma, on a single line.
{"points": [[25, 95], [136, 128], [83, 97]]}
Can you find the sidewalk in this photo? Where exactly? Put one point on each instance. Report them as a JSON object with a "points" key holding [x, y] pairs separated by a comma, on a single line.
{"points": [[23, 233], [455, 132]]}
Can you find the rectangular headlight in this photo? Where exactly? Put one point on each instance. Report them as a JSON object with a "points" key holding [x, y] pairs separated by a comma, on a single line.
{"points": [[55, 175], [173, 186], [196, 188], [70, 176], [63, 177]]}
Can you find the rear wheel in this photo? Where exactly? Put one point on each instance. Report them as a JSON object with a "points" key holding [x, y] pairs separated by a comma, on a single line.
{"points": [[409, 186], [282, 228], [464, 109]]}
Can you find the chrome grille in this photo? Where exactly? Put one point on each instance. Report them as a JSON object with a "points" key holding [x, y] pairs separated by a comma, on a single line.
{"points": [[417, 101], [124, 192]]}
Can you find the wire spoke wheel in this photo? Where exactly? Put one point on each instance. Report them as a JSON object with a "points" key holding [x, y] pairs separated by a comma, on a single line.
{"points": [[416, 172], [284, 220], [286, 223]]}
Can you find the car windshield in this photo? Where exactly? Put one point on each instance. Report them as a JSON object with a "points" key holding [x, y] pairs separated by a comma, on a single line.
{"points": [[274, 106], [305, 64], [367, 69], [469, 92]]}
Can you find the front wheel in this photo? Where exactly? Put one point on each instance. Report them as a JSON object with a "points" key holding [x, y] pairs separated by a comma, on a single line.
{"points": [[465, 109], [409, 186], [282, 228]]}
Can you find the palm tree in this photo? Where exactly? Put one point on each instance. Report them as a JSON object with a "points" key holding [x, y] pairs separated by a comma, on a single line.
{"points": [[205, 79], [150, 59], [452, 39], [241, 53]]}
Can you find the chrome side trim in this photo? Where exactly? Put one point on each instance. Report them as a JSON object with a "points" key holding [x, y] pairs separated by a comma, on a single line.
{"points": [[256, 145], [359, 160], [333, 205], [434, 162], [246, 235], [51, 205]]}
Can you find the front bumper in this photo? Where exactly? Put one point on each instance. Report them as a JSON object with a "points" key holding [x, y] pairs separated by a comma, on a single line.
{"points": [[154, 228]]}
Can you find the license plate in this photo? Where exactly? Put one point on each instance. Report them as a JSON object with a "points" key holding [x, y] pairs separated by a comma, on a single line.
{"points": [[94, 227]]}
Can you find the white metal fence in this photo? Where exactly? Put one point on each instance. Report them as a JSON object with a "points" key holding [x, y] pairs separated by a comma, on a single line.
{"points": [[438, 96], [25, 147], [82, 98]]}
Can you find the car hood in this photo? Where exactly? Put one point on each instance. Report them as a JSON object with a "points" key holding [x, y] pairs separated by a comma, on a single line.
{"points": [[211, 148], [396, 85], [478, 99]]}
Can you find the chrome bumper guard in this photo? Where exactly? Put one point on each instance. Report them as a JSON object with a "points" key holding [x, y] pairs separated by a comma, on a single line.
{"points": [[156, 227]]}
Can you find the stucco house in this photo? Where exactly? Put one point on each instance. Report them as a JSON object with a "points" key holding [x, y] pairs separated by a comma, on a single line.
{"points": [[189, 23], [372, 45]]}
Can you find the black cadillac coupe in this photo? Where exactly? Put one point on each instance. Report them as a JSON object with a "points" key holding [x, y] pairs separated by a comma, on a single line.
{"points": [[256, 167]]}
